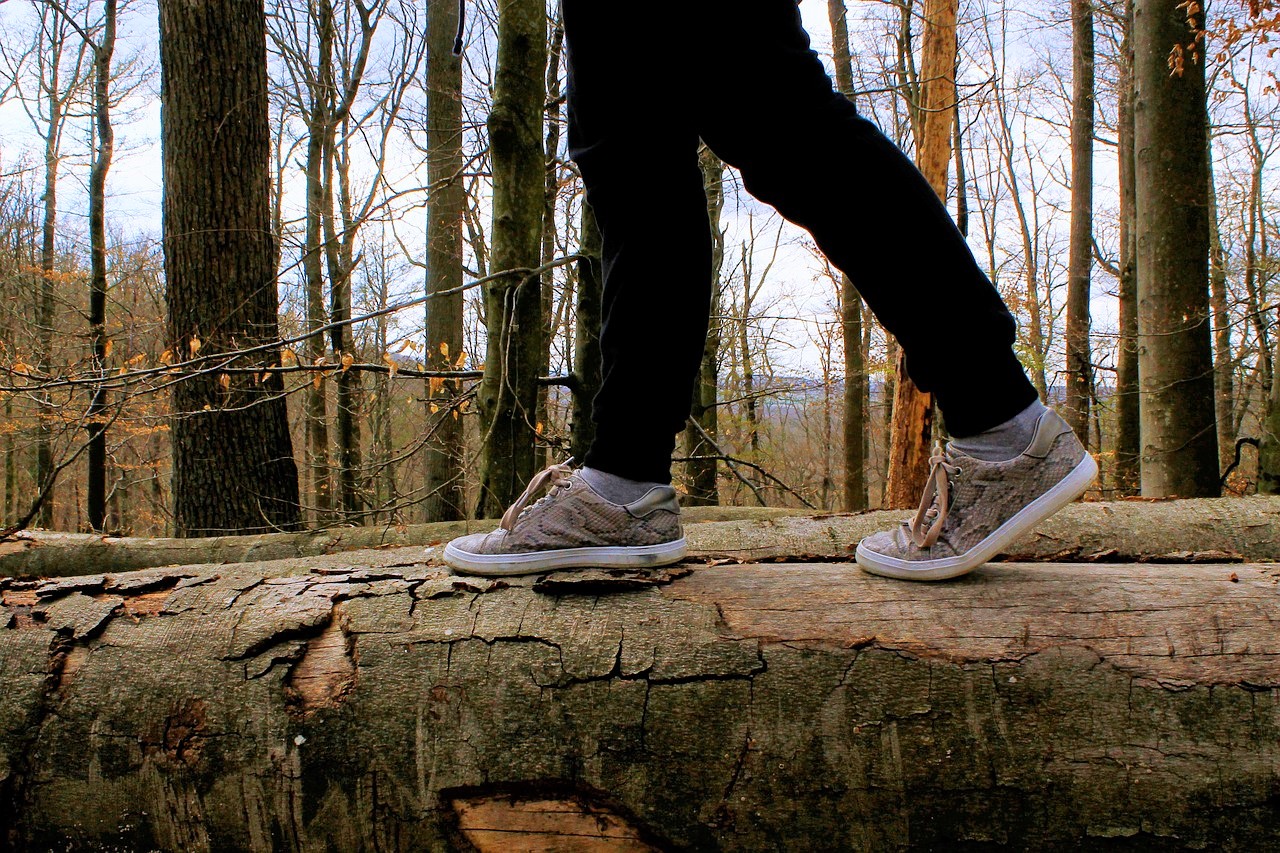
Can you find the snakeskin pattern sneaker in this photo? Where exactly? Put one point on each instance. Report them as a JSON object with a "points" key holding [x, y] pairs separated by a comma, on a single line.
{"points": [[971, 510], [571, 526]]}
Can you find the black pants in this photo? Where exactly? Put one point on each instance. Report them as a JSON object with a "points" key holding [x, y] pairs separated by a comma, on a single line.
{"points": [[646, 81]]}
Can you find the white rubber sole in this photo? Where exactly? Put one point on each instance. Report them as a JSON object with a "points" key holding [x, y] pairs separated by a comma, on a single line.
{"points": [[1064, 492], [612, 557]]}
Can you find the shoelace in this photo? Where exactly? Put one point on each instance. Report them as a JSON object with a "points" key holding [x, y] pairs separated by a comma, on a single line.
{"points": [[935, 503], [558, 477]]}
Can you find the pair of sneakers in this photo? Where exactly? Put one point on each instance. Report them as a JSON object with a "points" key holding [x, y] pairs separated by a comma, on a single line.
{"points": [[970, 511]]}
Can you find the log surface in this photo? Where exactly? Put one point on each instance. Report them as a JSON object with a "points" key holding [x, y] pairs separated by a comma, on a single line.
{"points": [[378, 702], [1119, 531]]}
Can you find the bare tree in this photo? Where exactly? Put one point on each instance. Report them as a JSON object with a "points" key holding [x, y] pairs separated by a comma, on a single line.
{"points": [[700, 436], [349, 116], [513, 302], [233, 467], [100, 41], [60, 70], [103, 50], [551, 193], [912, 409], [1079, 366], [1128, 441], [855, 369], [446, 203], [1223, 391], [1179, 444]]}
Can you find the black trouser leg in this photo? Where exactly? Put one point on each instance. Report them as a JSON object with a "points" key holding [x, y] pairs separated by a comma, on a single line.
{"points": [[803, 148], [647, 79], [638, 155]]}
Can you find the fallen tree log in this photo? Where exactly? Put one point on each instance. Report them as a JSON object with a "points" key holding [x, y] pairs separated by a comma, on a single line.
{"points": [[387, 705], [48, 554], [1120, 531]]}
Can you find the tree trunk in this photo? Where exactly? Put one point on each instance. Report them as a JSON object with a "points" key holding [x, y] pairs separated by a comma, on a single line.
{"points": [[45, 321], [957, 150], [1269, 360], [233, 468], [586, 335], [1128, 440], [1223, 390], [1079, 367], [384, 462], [913, 409], [1255, 237], [704, 427], [855, 369], [446, 201], [340, 253], [1028, 231], [746, 358], [10, 466], [97, 414], [551, 193], [375, 706], [1269, 447], [316, 406], [513, 303], [1179, 443]]}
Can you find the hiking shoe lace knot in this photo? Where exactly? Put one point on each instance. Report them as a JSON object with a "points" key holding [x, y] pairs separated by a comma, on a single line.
{"points": [[553, 477], [935, 502]]}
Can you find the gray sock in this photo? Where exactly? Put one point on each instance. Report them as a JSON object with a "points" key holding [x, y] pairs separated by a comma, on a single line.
{"points": [[615, 489], [1006, 441]]}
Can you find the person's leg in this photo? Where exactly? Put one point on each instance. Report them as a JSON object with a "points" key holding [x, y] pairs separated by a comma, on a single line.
{"points": [[638, 155], [637, 152], [803, 148]]}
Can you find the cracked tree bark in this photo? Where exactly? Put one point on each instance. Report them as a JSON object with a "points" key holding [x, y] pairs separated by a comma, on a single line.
{"points": [[381, 703]]}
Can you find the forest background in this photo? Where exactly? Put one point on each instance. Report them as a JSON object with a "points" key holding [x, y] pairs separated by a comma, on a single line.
{"points": [[397, 170]]}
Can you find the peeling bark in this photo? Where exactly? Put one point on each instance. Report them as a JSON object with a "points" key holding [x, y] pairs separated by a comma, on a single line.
{"points": [[747, 707]]}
